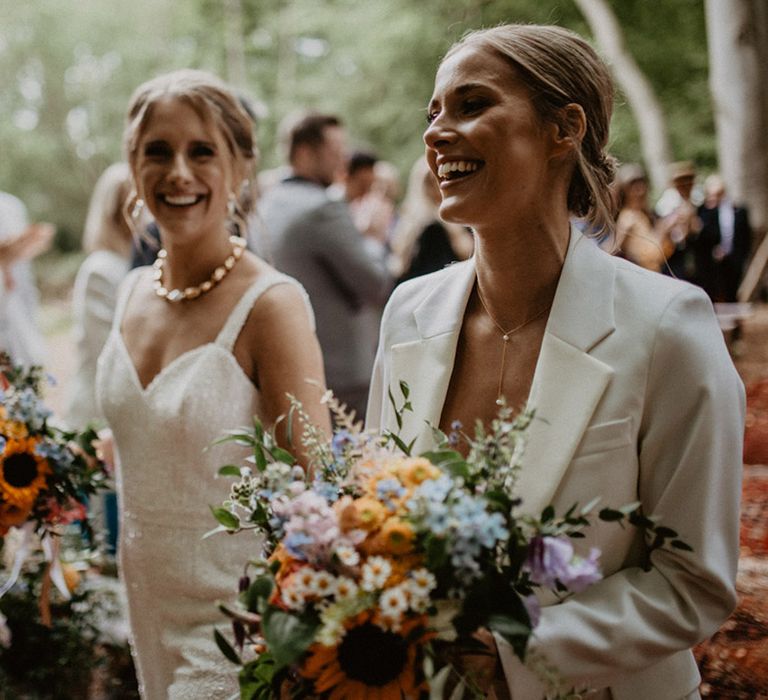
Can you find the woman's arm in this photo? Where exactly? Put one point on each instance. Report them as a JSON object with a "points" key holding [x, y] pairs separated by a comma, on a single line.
{"points": [[287, 360], [689, 448]]}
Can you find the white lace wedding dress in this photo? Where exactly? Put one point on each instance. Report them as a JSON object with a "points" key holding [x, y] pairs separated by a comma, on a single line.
{"points": [[165, 483]]}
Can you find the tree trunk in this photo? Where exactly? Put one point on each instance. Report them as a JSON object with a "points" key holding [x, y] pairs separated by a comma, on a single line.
{"points": [[737, 32], [645, 106], [233, 43]]}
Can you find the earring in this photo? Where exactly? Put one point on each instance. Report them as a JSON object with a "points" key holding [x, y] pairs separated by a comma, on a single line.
{"points": [[137, 209], [232, 205]]}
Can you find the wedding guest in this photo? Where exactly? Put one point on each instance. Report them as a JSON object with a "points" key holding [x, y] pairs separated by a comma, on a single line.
{"points": [[107, 240], [202, 341], [314, 238], [20, 242], [421, 241], [722, 247], [638, 238], [679, 220], [635, 396]]}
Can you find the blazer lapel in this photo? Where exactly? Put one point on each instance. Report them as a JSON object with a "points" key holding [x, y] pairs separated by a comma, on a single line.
{"points": [[426, 364], [568, 383]]}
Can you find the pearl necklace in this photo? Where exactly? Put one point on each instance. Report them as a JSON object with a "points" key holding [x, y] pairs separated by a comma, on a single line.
{"points": [[189, 293], [505, 336]]}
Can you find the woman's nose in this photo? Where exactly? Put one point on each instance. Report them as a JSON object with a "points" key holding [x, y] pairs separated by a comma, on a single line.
{"points": [[180, 170], [438, 133]]}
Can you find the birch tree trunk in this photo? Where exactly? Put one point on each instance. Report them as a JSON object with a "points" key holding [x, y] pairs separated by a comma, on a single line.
{"points": [[737, 33], [646, 108], [234, 43]]}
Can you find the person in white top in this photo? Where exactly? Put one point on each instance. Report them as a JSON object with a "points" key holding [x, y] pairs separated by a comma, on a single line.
{"points": [[634, 393], [20, 241], [107, 240], [202, 341]]}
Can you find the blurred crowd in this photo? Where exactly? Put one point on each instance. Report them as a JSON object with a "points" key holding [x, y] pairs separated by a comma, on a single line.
{"points": [[338, 221]]}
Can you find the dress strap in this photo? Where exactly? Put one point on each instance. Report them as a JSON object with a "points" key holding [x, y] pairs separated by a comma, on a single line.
{"points": [[124, 293], [234, 324]]}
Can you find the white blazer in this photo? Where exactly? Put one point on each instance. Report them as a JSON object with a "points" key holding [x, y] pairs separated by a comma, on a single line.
{"points": [[636, 398]]}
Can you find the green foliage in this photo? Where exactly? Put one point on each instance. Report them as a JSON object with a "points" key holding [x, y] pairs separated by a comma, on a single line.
{"points": [[70, 68]]}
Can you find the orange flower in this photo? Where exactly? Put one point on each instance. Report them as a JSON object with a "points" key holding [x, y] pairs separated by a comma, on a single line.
{"points": [[362, 514], [347, 670], [414, 470], [394, 538], [12, 516], [22, 472], [11, 428]]}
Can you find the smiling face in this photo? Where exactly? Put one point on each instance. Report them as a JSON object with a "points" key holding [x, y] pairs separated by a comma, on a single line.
{"points": [[485, 142], [183, 170]]}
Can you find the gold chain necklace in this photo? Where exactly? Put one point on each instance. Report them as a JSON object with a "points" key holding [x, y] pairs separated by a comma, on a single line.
{"points": [[505, 336], [189, 293]]}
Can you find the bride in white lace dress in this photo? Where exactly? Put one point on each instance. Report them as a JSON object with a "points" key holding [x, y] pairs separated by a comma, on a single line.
{"points": [[201, 342]]}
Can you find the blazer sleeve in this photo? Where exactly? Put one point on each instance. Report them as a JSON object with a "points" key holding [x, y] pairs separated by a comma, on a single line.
{"points": [[690, 449]]}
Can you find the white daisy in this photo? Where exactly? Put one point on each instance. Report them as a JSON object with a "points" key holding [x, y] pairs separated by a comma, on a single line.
{"points": [[346, 588], [393, 602], [324, 584], [376, 571], [304, 580], [293, 598], [347, 555]]}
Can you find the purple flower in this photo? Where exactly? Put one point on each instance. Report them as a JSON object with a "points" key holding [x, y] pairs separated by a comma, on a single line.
{"points": [[551, 560]]}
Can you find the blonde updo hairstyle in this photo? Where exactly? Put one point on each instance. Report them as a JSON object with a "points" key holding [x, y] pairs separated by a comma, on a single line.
{"points": [[559, 68], [213, 101]]}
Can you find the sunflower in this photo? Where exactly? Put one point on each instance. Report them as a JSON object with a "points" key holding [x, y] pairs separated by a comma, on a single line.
{"points": [[370, 661], [22, 472], [12, 516]]}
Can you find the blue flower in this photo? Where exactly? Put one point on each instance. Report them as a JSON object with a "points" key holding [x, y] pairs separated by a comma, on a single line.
{"points": [[294, 543]]}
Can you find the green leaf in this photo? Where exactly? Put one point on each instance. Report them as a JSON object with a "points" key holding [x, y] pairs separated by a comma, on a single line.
{"points": [[610, 515], [226, 648], [398, 441], [281, 455], [257, 594], [590, 506], [288, 635], [436, 552], [665, 532], [508, 627], [229, 470], [548, 514], [256, 678], [439, 456], [679, 544], [259, 457], [229, 520], [405, 389]]}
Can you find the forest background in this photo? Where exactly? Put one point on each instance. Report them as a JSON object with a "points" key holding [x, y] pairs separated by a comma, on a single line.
{"points": [[68, 68]]}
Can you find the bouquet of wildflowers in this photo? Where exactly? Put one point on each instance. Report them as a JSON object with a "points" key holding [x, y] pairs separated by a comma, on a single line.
{"points": [[374, 558], [46, 473]]}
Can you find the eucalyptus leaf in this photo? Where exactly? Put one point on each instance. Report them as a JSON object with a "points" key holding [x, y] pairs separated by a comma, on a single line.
{"points": [[229, 470], [226, 648], [288, 636], [229, 520]]}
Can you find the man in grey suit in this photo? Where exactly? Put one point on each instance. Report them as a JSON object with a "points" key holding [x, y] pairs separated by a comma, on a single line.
{"points": [[314, 240]]}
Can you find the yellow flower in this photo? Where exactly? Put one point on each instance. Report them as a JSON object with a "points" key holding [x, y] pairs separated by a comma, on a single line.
{"points": [[414, 470], [22, 472], [397, 536], [364, 513]]}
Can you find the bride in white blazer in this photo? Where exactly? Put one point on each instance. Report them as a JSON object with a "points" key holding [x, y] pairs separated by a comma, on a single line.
{"points": [[634, 392]]}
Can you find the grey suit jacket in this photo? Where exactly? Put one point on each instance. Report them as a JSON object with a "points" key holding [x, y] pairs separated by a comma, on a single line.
{"points": [[313, 239], [636, 398]]}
